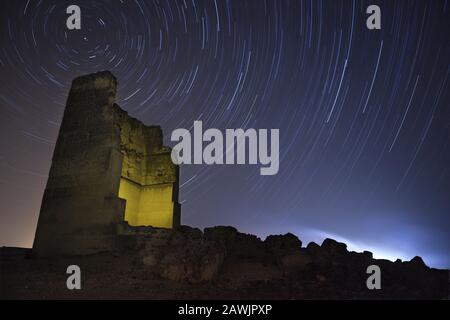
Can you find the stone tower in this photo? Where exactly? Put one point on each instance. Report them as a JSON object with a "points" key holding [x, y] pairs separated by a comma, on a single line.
{"points": [[108, 169]]}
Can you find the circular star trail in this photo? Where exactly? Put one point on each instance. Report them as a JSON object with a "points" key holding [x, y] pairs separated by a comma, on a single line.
{"points": [[363, 114]]}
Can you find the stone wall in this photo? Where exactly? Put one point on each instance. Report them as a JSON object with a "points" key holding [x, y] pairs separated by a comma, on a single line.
{"points": [[227, 259], [149, 180], [98, 146]]}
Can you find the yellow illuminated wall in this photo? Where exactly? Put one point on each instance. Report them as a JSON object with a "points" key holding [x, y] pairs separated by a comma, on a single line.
{"points": [[147, 205], [149, 179]]}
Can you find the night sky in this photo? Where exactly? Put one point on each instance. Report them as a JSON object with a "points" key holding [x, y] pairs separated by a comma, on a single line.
{"points": [[364, 115]]}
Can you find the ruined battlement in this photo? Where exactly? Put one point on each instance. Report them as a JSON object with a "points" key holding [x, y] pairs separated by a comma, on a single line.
{"points": [[107, 168]]}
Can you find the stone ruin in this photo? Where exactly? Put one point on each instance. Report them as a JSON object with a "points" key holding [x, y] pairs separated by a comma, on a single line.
{"points": [[109, 173], [113, 190]]}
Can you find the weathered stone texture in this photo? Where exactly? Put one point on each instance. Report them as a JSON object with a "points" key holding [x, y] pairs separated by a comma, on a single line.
{"points": [[233, 259], [98, 147]]}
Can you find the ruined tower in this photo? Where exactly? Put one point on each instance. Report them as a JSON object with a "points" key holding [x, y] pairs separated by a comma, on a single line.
{"points": [[108, 170]]}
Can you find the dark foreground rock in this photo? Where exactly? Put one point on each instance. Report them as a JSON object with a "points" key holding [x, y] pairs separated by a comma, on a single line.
{"points": [[218, 263]]}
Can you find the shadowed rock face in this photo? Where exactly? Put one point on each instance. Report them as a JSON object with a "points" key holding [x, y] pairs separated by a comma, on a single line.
{"points": [[220, 262], [107, 167], [222, 254]]}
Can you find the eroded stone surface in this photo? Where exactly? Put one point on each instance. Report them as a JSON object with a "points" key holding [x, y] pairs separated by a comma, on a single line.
{"points": [[107, 167], [219, 262]]}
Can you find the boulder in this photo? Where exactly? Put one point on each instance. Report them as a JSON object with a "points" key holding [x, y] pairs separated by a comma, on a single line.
{"points": [[317, 254], [367, 255], [333, 247], [417, 262], [222, 234], [247, 246], [279, 244]]}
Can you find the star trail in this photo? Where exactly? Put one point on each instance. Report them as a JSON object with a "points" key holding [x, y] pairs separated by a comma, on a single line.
{"points": [[364, 115]]}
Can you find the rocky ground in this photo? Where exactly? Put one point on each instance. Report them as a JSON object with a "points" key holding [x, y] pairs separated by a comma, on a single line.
{"points": [[218, 263]]}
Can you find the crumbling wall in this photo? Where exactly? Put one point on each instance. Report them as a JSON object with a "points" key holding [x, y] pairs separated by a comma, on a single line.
{"points": [[98, 147], [149, 179]]}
